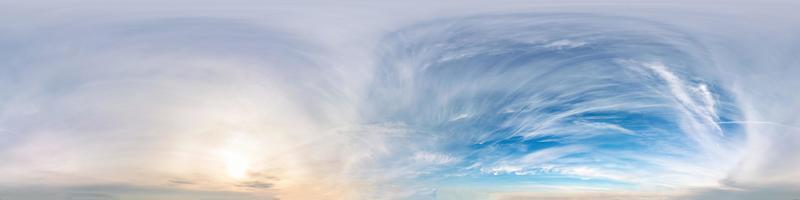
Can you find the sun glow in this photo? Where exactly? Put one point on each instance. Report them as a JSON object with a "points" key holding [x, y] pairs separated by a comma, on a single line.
{"points": [[236, 165], [235, 157]]}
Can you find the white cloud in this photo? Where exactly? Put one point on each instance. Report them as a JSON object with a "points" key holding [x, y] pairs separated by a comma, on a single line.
{"points": [[565, 44]]}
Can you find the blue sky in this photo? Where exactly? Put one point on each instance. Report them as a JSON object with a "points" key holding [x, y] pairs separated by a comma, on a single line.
{"points": [[398, 100]]}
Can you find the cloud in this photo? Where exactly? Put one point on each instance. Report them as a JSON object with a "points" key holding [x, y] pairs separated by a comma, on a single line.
{"points": [[559, 44], [398, 100], [759, 192], [117, 191], [255, 185]]}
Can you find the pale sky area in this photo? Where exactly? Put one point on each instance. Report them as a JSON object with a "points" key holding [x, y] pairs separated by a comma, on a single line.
{"points": [[395, 100]]}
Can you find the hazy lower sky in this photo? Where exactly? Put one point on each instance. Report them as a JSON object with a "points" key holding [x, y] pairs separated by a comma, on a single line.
{"points": [[364, 100]]}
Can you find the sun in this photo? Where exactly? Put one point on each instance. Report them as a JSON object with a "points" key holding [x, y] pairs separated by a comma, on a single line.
{"points": [[236, 166], [235, 158]]}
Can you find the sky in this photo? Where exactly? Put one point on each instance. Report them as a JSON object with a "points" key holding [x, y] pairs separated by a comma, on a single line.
{"points": [[446, 100]]}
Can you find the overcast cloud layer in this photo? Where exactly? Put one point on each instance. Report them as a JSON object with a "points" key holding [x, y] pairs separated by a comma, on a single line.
{"points": [[399, 100]]}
